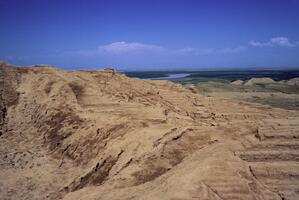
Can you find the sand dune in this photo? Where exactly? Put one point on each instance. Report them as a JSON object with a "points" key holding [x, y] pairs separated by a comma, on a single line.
{"points": [[101, 135]]}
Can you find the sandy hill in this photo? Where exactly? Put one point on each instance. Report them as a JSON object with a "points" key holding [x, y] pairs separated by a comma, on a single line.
{"points": [[293, 81], [237, 82], [101, 135], [254, 81]]}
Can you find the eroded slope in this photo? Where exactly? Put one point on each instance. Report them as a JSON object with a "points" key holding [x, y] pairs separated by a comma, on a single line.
{"points": [[101, 135]]}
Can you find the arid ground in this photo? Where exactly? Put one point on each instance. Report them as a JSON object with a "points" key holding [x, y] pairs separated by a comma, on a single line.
{"points": [[101, 135]]}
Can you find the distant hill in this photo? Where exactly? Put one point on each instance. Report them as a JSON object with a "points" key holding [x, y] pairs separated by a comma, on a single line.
{"points": [[255, 81]]}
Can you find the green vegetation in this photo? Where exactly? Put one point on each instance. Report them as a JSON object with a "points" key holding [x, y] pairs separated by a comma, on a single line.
{"points": [[274, 94]]}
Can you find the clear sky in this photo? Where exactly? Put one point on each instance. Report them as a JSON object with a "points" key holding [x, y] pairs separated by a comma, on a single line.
{"points": [[151, 34]]}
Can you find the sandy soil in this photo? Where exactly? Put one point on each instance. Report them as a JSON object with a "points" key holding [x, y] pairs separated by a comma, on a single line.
{"points": [[101, 135]]}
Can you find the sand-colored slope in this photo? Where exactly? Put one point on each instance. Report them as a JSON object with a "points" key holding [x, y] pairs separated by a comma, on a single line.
{"points": [[102, 135]]}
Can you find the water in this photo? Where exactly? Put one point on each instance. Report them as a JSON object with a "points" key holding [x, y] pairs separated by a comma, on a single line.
{"points": [[171, 76], [224, 75]]}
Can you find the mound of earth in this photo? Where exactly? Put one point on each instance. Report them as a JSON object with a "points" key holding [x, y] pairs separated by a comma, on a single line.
{"points": [[254, 81], [264, 81], [101, 135], [293, 81], [237, 82]]}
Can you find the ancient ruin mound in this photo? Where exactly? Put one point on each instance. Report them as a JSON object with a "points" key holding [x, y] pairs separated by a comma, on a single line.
{"points": [[101, 135]]}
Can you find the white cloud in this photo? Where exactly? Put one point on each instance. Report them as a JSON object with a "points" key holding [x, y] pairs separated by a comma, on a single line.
{"points": [[277, 41], [193, 51], [126, 47], [281, 41], [129, 48], [199, 51], [232, 50], [258, 44]]}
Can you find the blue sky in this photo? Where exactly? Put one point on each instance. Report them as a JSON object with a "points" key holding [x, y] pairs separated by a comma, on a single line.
{"points": [[151, 34]]}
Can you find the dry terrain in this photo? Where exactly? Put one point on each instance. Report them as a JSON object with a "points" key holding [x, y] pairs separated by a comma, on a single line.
{"points": [[101, 135], [279, 94]]}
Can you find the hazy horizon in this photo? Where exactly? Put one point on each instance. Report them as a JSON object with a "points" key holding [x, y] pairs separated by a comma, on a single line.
{"points": [[167, 68]]}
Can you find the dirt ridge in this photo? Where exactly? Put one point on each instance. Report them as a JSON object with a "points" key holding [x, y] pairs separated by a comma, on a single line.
{"points": [[101, 135]]}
